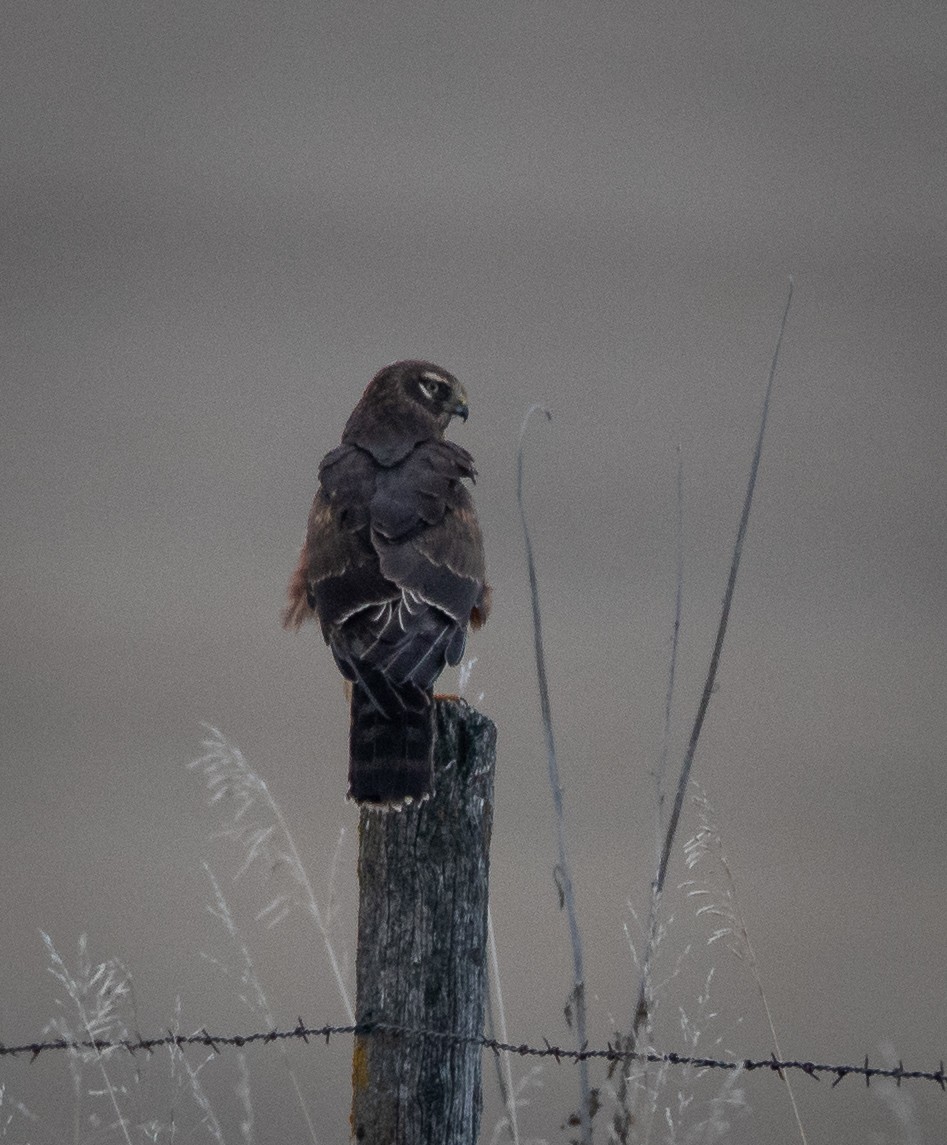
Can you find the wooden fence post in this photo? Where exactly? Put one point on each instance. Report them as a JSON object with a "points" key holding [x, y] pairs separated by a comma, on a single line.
{"points": [[422, 947]]}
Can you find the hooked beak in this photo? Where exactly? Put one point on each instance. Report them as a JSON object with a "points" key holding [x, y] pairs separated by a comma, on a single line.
{"points": [[460, 408]]}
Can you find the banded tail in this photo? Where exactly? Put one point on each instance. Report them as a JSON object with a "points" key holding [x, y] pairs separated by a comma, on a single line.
{"points": [[391, 741]]}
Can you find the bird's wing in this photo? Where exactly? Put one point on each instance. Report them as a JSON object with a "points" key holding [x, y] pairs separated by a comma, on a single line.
{"points": [[337, 574], [393, 564], [425, 529]]}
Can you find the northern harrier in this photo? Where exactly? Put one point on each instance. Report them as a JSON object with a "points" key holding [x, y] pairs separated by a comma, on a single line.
{"points": [[393, 569]]}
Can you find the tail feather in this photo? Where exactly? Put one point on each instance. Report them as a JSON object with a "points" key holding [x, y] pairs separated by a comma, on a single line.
{"points": [[391, 752]]}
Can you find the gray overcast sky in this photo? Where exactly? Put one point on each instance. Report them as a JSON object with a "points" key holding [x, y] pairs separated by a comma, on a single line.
{"points": [[218, 221]]}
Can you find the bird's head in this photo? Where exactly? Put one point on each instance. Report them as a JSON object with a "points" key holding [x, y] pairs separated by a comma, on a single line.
{"points": [[403, 404], [436, 391], [443, 393]]}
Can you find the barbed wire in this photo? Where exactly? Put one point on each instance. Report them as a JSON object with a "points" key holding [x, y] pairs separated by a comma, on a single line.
{"points": [[610, 1053]]}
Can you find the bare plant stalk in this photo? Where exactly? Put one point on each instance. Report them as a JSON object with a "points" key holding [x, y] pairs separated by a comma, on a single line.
{"points": [[732, 926], [110, 1089], [209, 1120], [228, 775], [563, 870], [96, 993], [661, 774], [504, 1066], [242, 1090], [754, 969], [671, 830], [312, 907], [257, 1001], [622, 1119]]}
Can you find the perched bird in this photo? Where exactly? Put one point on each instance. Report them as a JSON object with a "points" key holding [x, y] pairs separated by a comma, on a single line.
{"points": [[393, 568]]}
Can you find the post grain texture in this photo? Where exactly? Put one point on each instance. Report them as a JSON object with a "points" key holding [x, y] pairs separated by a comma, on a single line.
{"points": [[422, 938]]}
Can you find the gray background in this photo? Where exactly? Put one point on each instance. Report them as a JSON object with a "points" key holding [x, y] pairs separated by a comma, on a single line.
{"points": [[218, 220]]}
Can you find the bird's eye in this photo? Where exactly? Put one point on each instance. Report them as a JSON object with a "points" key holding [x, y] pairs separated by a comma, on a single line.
{"points": [[434, 387]]}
